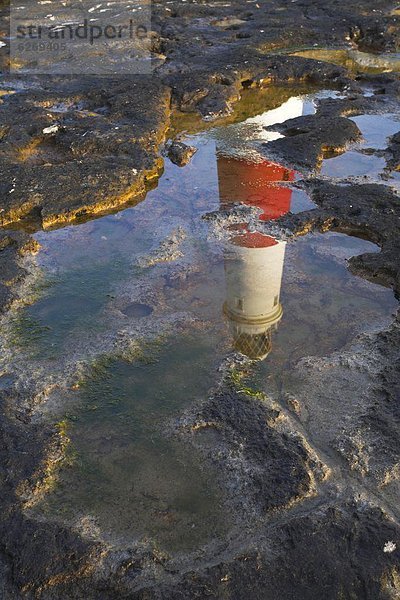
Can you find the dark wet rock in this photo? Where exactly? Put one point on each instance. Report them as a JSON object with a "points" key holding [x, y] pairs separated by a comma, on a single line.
{"points": [[265, 464], [338, 547], [33, 551], [217, 85], [5, 296], [310, 138], [394, 151], [194, 26], [356, 104], [375, 38], [180, 154], [81, 161], [326, 550], [379, 426], [337, 544], [13, 245], [10, 270]]}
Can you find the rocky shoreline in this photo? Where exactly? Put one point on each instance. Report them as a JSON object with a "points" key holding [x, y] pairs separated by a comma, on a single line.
{"points": [[320, 511]]}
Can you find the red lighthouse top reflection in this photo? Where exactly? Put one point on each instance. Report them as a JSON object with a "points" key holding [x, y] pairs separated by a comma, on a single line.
{"points": [[256, 184]]}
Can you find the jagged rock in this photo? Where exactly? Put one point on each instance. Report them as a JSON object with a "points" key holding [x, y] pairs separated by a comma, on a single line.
{"points": [[180, 154], [311, 138]]}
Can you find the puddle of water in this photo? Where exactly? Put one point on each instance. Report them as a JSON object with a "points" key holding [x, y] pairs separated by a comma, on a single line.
{"points": [[275, 303], [88, 261], [353, 164], [300, 201], [272, 301], [134, 480], [354, 60], [254, 102], [376, 129]]}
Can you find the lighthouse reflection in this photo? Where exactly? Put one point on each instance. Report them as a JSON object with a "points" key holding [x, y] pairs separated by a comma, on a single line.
{"points": [[254, 261]]}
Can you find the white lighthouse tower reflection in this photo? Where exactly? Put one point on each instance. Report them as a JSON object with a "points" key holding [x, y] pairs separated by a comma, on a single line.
{"points": [[253, 273]]}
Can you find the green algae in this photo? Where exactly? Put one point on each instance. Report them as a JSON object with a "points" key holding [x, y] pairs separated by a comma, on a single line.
{"points": [[133, 476]]}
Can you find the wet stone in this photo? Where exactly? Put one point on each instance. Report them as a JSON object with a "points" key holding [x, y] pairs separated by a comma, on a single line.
{"points": [[180, 154], [307, 139]]}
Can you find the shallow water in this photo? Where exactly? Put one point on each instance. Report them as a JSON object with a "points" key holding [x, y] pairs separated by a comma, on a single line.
{"points": [[354, 60], [354, 164], [136, 481], [363, 159], [188, 292]]}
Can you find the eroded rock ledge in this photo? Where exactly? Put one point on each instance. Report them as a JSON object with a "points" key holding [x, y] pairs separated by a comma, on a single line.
{"points": [[100, 152]]}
